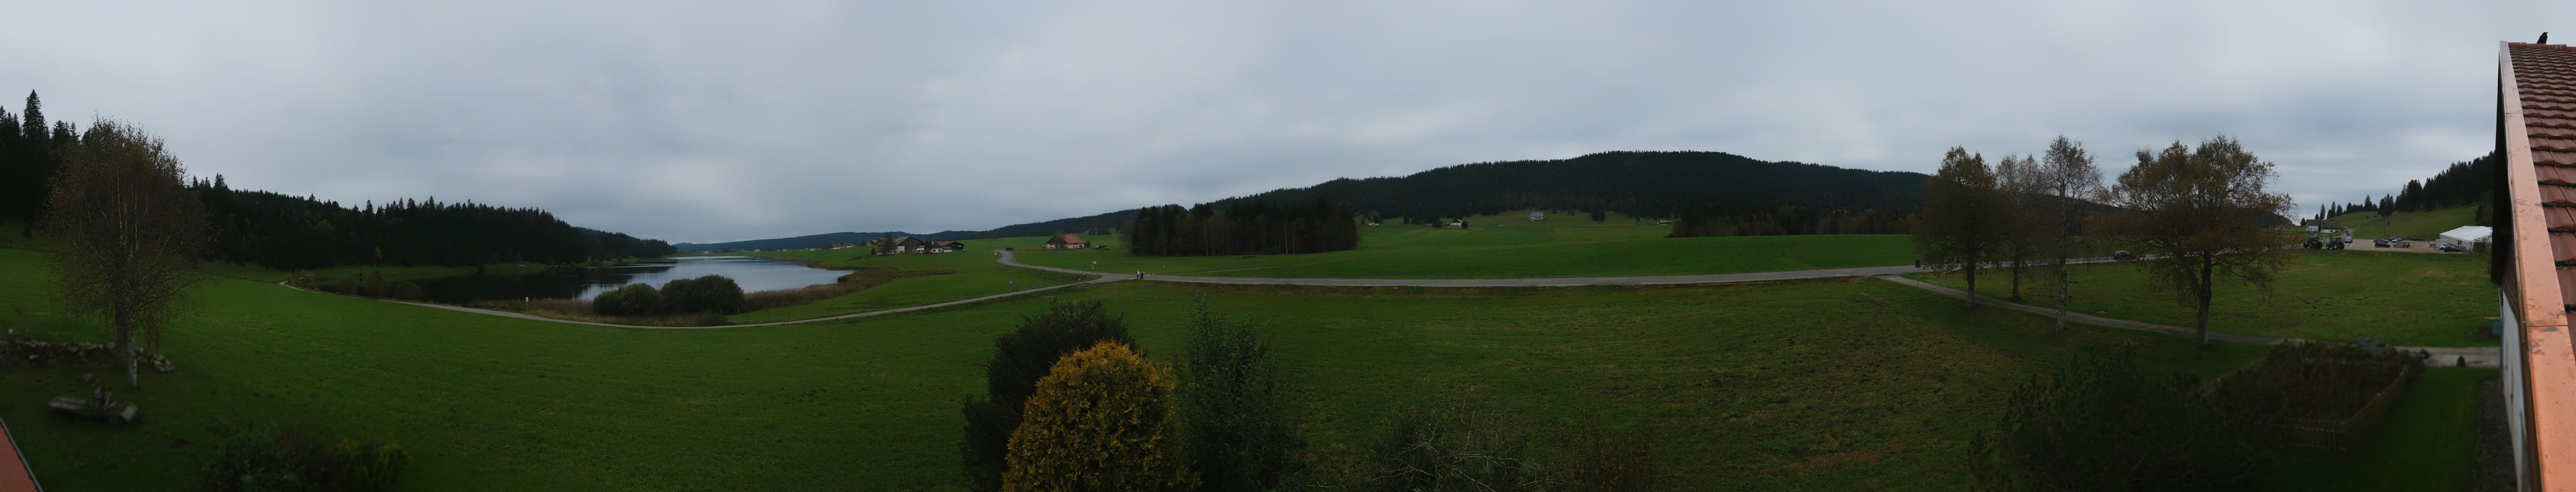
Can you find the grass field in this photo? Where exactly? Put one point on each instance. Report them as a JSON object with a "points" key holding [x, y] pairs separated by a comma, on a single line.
{"points": [[2427, 443], [2425, 224], [1843, 385], [972, 274], [2399, 298], [1515, 250]]}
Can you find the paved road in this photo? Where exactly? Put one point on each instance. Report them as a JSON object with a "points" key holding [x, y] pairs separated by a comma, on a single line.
{"points": [[1712, 278], [2476, 356]]}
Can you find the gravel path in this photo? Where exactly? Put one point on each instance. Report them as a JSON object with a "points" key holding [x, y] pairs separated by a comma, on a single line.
{"points": [[2441, 356]]}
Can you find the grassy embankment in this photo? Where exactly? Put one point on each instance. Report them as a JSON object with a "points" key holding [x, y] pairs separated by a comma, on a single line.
{"points": [[1510, 246], [1810, 386], [2399, 298], [2428, 225], [2427, 442], [917, 279]]}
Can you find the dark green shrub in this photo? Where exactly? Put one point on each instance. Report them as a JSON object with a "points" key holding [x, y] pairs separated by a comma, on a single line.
{"points": [[1235, 420], [2103, 423], [377, 286], [1020, 359], [631, 300], [709, 294], [258, 459], [1453, 447], [406, 290], [2314, 380], [1602, 459]]}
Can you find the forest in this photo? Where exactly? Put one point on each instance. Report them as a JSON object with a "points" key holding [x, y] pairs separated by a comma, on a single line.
{"points": [[286, 231], [301, 232], [1720, 187], [2463, 183], [1242, 227]]}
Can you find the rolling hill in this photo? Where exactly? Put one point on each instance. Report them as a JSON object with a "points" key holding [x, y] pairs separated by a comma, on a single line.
{"points": [[1650, 184]]}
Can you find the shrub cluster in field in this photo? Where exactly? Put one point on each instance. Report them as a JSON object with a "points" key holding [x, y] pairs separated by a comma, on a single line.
{"points": [[259, 459], [712, 294], [2107, 424], [375, 285], [1071, 406]]}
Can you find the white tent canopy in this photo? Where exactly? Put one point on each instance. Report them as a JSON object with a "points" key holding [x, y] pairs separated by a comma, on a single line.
{"points": [[2466, 235]]}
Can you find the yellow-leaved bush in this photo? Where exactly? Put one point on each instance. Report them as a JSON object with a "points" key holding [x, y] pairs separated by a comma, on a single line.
{"points": [[1100, 420]]}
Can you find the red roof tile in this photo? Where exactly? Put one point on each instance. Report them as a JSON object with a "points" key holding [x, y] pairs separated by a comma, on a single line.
{"points": [[2538, 141]]}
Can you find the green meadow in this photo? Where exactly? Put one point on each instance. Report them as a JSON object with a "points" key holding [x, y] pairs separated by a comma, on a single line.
{"points": [[1510, 246], [932, 278], [1833, 385], [2428, 224], [2337, 295]]}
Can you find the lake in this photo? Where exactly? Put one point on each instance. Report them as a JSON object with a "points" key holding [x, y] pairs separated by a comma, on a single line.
{"points": [[753, 274]]}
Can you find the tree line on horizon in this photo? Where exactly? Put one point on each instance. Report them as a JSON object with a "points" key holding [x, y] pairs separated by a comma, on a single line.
{"points": [[1242, 227], [275, 229], [287, 231], [2470, 182], [1726, 188]]}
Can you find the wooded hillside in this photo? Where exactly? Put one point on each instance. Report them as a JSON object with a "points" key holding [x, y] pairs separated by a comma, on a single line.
{"points": [[1718, 186]]}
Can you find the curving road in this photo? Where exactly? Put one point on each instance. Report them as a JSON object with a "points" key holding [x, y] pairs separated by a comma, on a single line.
{"points": [[1710, 278], [2474, 356]]}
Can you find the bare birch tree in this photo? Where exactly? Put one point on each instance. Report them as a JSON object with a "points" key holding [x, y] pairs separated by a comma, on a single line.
{"points": [[2018, 179], [2195, 216], [131, 234], [2068, 176]]}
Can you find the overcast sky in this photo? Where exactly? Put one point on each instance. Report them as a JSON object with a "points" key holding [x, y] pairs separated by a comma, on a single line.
{"points": [[713, 121]]}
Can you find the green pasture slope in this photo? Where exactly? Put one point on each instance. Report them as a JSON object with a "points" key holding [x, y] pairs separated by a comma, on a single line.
{"points": [[2424, 224], [1839, 385], [2399, 298], [971, 274], [1510, 246]]}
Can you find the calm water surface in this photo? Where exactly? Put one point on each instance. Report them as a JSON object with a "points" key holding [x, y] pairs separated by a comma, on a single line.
{"points": [[754, 274]]}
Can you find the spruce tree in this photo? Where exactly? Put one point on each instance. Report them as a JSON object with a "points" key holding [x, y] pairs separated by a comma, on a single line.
{"points": [[34, 119]]}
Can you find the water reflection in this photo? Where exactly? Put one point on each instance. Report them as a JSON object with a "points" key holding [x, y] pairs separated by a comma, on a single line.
{"points": [[754, 274]]}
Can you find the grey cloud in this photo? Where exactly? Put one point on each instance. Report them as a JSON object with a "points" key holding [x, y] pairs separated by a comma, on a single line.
{"points": [[718, 121]]}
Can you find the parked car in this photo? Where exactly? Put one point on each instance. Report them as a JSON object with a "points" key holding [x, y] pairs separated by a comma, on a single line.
{"points": [[2399, 243], [2123, 255], [2448, 248], [2378, 243]]}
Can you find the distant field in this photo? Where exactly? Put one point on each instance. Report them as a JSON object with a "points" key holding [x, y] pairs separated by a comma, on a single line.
{"points": [[2426, 224], [2399, 298], [1514, 248], [1848, 385], [974, 274]]}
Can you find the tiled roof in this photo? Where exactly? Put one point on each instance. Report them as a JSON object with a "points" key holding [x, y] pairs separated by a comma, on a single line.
{"points": [[2545, 78], [1070, 239], [2536, 136]]}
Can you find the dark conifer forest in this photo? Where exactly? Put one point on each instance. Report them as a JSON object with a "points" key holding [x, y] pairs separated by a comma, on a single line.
{"points": [[1733, 194], [1242, 227], [300, 232], [2463, 183], [286, 231]]}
